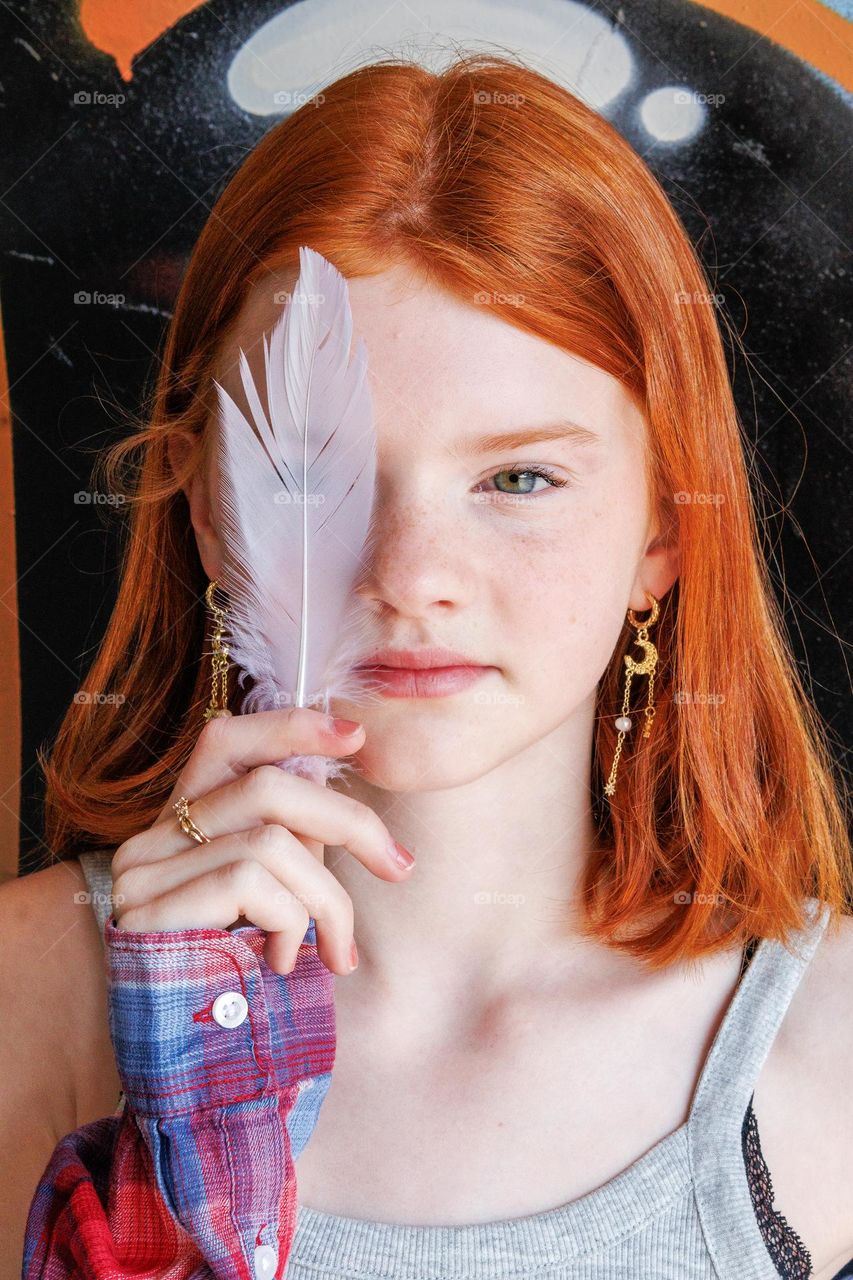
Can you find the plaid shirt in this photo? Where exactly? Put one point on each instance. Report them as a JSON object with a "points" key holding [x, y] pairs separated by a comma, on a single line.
{"points": [[224, 1065]]}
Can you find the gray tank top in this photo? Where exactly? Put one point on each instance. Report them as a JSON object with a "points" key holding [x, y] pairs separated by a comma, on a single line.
{"points": [[681, 1211]]}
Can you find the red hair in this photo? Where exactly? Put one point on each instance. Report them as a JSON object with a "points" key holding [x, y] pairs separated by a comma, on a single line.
{"points": [[490, 179]]}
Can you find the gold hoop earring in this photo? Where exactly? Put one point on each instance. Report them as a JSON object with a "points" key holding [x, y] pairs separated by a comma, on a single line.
{"points": [[218, 705], [633, 668]]}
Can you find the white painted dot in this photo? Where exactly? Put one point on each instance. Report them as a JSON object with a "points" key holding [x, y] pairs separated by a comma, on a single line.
{"points": [[672, 114]]}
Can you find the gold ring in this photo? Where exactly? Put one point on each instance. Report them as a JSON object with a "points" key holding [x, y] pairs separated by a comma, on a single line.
{"points": [[181, 808]]}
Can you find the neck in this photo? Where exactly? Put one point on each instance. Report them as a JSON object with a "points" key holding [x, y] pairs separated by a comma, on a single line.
{"points": [[492, 903]]}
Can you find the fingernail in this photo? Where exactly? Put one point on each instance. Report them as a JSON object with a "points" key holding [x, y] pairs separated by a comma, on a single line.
{"points": [[345, 728], [353, 955], [400, 855]]}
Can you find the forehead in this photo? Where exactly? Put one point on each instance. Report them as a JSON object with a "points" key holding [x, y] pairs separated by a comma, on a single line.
{"points": [[442, 358]]}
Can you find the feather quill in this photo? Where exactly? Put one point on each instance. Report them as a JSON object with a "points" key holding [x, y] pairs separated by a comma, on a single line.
{"points": [[297, 479]]}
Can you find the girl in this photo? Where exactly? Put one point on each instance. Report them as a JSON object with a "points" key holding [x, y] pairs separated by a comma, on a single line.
{"points": [[624, 944]]}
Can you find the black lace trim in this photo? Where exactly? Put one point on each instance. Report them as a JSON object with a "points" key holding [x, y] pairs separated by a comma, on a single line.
{"points": [[790, 1256]]}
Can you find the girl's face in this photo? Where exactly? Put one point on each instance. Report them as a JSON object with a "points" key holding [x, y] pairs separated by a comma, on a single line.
{"points": [[528, 574]]}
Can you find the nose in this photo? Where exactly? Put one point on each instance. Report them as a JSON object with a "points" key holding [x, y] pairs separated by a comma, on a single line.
{"points": [[415, 562]]}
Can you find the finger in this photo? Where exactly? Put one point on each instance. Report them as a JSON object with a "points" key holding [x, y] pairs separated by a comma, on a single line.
{"points": [[269, 795], [283, 856], [218, 897], [229, 746]]}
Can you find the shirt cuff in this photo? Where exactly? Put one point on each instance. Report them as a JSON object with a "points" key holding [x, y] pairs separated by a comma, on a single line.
{"points": [[198, 1019]]}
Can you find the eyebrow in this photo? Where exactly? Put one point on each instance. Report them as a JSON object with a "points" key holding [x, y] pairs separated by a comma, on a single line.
{"points": [[516, 438]]}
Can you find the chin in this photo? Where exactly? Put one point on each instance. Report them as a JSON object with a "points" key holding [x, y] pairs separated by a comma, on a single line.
{"points": [[419, 762]]}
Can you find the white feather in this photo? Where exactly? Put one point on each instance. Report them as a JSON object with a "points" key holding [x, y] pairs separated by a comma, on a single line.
{"points": [[296, 481]]}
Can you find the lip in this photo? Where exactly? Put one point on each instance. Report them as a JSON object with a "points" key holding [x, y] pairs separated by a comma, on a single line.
{"points": [[423, 682], [419, 659], [421, 673]]}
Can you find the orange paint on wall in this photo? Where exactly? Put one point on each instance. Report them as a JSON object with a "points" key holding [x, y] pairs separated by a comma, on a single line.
{"points": [[123, 28], [815, 33]]}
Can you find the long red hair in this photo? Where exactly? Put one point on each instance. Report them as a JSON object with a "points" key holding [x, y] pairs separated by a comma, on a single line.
{"points": [[489, 179]]}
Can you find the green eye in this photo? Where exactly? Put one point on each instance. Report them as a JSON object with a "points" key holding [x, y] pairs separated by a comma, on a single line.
{"points": [[524, 476]]}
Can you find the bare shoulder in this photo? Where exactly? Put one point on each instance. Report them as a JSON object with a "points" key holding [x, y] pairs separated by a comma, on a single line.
{"points": [[818, 1024], [53, 1051], [53, 972], [804, 1104]]}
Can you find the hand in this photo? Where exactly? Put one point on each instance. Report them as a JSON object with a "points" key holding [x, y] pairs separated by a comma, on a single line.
{"points": [[267, 828]]}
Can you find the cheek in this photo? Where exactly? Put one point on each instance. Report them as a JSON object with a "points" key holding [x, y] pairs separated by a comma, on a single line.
{"points": [[563, 602]]}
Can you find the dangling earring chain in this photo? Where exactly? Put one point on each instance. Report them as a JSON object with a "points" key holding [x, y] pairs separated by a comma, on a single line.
{"points": [[219, 682], [632, 667]]}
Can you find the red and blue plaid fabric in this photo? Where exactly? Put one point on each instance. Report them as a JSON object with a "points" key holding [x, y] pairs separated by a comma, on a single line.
{"points": [[224, 1065]]}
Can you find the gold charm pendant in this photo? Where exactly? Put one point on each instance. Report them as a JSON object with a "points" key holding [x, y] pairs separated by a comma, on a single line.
{"points": [[645, 667], [218, 705]]}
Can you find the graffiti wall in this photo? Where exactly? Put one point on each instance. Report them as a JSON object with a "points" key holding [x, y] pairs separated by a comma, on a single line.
{"points": [[125, 120]]}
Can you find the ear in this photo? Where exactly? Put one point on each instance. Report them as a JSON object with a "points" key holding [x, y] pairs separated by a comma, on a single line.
{"points": [[198, 488], [659, 566]]}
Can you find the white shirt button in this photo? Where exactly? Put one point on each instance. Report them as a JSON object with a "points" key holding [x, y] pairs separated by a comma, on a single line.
{"points": [[266, 1260], [230, 1009]]}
